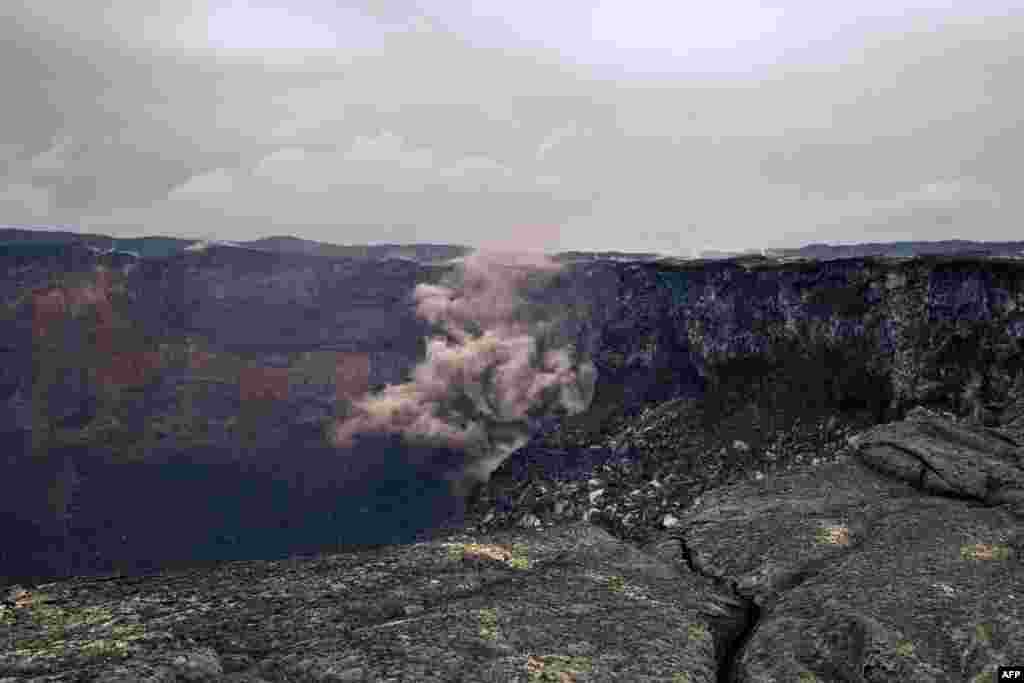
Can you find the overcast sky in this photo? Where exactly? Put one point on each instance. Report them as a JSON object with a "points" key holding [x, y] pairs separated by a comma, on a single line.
{"points": [[579, 124]]}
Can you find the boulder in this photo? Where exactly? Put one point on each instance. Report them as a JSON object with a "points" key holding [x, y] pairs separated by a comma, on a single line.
{"points": [[940, 456], [902, 562]]}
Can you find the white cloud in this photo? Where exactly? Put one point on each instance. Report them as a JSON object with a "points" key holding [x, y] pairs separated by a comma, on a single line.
{"points": [[936, 194], [217, 182], [24, 201], [247, 25], [9, 151], [560, 136], [391, 149], [283, 157], [956, 190], [469, 132], [388, 163], [468, 166], [677, 28], [56, 158], [306, 111], [550, 181]]}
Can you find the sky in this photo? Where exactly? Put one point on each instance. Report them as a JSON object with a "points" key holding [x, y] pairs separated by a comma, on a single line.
{"points": [[628, 125]]}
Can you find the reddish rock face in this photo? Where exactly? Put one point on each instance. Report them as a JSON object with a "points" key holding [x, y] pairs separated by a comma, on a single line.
{"points": [[97, 297], [199, 360], [117, 368], [104, 338], [263, 383], [351, 375], [55, 304], [129, 369], [49, 306]]}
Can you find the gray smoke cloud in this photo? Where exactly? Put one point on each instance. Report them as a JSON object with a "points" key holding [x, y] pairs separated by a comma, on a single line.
{"points": [[490, 371]]}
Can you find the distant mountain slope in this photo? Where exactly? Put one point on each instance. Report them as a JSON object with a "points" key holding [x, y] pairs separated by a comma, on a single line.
{"points": [[822, 252], [415, 252], [144, 247], [10, 234], [17, 238], [568, 256], [163, 247], [828, 252]]}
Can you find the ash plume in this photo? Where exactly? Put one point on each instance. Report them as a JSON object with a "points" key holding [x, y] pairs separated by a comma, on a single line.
{"points": [[490, 370]]}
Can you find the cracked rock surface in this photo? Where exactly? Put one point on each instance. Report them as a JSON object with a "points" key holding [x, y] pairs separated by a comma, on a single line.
{"points": [[636, 552], [862, 577], [843, 570], [865, 565]]}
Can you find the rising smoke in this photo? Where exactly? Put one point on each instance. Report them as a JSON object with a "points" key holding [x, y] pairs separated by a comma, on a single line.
{"points": [[490, 371]]}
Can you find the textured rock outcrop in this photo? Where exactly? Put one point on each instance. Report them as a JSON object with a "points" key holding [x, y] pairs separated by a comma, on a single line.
{"points": [[654, 329], [897, 555], [774, 547], [856, 575], [678, 321], [982, 465], [195, 334], [842, 571], [222, 352]]}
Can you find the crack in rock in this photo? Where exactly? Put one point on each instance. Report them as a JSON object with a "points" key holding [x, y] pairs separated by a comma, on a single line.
{"points": [[733, 619]]}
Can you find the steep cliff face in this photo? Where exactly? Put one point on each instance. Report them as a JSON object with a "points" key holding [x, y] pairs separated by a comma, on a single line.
{"points": [[201, 335], [924, 327], [230, 355], [209, 346]]}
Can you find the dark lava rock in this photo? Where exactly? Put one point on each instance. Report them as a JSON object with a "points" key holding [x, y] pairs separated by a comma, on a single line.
{"points": [[836, 571]]}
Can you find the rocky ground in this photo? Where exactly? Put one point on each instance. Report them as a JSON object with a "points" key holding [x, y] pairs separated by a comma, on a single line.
{"points": [[894, 554], [646, 471]]}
